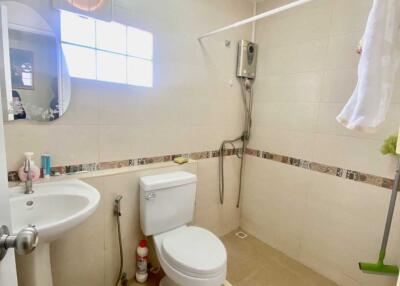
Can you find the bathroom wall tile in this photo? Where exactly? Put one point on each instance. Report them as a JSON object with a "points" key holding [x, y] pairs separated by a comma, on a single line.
{"points": [[299, 68], [78, 245], [127, 186], [338, 85], [342, 51], [83, 109], [337, 216], [208, 187], [318, 210], [270, 61], [282, 191], [115, 143], [160, 140], [297, 26], [355, 154], [305, 57], [288, 116], [282, 141], [191, 89], [210, 214], [72, 144], [349, 16], [264, 6], [301, 87], [218, 219], [15, 148]]}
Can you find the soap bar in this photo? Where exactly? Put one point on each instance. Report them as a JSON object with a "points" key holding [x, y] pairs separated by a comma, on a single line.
{"points": [[181, 160]]}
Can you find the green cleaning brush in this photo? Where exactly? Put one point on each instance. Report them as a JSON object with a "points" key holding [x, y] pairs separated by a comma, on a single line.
{"points": [[389, 147]]}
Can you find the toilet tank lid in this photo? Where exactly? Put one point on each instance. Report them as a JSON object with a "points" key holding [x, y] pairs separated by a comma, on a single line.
{"points": [[166, 180]]}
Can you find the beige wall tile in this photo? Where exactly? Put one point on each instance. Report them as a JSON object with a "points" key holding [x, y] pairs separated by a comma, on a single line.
{"points": [[115, 143], [323, 221], [280, 141], [338, 85], [71, 143], [291, 116], [191, 105], [353, 153], [349, 16], [342, 51], [307, 72], [300, 87], [78, 258]]}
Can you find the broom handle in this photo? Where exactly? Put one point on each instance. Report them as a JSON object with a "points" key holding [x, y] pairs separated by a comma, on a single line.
{"points": [[391, 209]]}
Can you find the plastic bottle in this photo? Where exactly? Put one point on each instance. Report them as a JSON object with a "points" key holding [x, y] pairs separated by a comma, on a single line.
{"points": [[35, 171], [141, 262]]}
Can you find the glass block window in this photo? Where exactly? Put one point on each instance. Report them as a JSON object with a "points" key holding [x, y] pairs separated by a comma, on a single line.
{"points": [[106, 51]]}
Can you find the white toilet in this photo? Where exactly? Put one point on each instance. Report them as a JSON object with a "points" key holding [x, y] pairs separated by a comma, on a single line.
{"points": [[189, 255]]}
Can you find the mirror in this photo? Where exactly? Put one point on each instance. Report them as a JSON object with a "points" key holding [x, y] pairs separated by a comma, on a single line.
{"points": [[39, 85]]}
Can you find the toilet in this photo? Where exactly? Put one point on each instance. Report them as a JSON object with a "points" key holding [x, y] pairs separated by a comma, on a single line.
{"points": [[189, 255]]}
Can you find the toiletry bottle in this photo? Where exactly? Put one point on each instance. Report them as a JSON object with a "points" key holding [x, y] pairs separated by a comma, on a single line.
{"points": [[46, 165], [141, 262], [35, 171]]}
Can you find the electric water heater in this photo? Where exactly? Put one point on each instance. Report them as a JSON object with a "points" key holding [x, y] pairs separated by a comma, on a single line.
{"points": [[247, 59]]}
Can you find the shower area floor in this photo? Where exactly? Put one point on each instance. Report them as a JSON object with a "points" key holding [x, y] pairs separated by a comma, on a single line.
{"points": [[252, 262]]}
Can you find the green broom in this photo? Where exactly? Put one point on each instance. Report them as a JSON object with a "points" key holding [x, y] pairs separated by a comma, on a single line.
{"points": [[389, 147]]}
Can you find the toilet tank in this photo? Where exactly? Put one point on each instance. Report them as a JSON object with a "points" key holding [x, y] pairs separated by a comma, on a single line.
{"points": [[166, 201]]}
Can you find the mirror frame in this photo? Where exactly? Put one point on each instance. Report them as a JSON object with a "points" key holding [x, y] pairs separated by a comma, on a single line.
{"points": [[64, 80]]}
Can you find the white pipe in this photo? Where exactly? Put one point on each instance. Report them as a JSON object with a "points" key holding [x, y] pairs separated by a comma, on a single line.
{"points": [[253, 32], [258, 17]]}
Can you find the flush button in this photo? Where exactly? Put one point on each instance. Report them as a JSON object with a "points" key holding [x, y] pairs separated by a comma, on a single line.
{"points": [[149, 197]]}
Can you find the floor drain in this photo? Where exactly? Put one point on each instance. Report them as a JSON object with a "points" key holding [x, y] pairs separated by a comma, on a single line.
{"points": [[241, 234]]}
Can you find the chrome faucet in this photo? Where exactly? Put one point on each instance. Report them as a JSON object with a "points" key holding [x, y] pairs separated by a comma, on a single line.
{"points": [[28, 172]]}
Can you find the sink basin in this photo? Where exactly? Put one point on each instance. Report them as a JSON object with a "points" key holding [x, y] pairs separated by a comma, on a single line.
{"points": [[53, 208]]}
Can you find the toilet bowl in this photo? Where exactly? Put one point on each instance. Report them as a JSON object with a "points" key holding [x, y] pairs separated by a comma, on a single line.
{"points": [[189, 255]]}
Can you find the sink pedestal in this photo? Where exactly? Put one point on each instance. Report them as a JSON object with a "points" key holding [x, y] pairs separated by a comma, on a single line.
{"points": [[35, 269]]}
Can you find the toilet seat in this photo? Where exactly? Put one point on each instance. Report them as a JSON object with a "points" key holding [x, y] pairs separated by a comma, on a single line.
{"points": [[195, 252], [182, 245]]}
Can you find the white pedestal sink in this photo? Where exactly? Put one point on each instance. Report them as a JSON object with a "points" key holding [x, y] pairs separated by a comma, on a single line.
{"points": [[53, 209]]}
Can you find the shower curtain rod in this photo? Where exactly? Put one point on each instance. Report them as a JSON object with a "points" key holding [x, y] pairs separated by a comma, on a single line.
{"points": [[257, 17]]}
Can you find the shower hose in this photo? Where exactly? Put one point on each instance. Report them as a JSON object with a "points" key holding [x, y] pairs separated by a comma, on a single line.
{"points": [[117, 212], [247, 89]]}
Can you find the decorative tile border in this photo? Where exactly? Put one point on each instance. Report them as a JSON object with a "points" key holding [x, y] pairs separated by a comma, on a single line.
{"points": [[326, 169], [304, 164], [91, 167]]}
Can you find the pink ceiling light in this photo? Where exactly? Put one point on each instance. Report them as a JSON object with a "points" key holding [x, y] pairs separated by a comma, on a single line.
{"points": [[87, 5]]}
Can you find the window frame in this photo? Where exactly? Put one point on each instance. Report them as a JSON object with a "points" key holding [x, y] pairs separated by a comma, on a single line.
{"points": [[147, 57]]}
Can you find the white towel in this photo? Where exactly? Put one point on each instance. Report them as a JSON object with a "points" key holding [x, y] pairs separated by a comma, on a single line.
{"points": [[377, 69]]}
